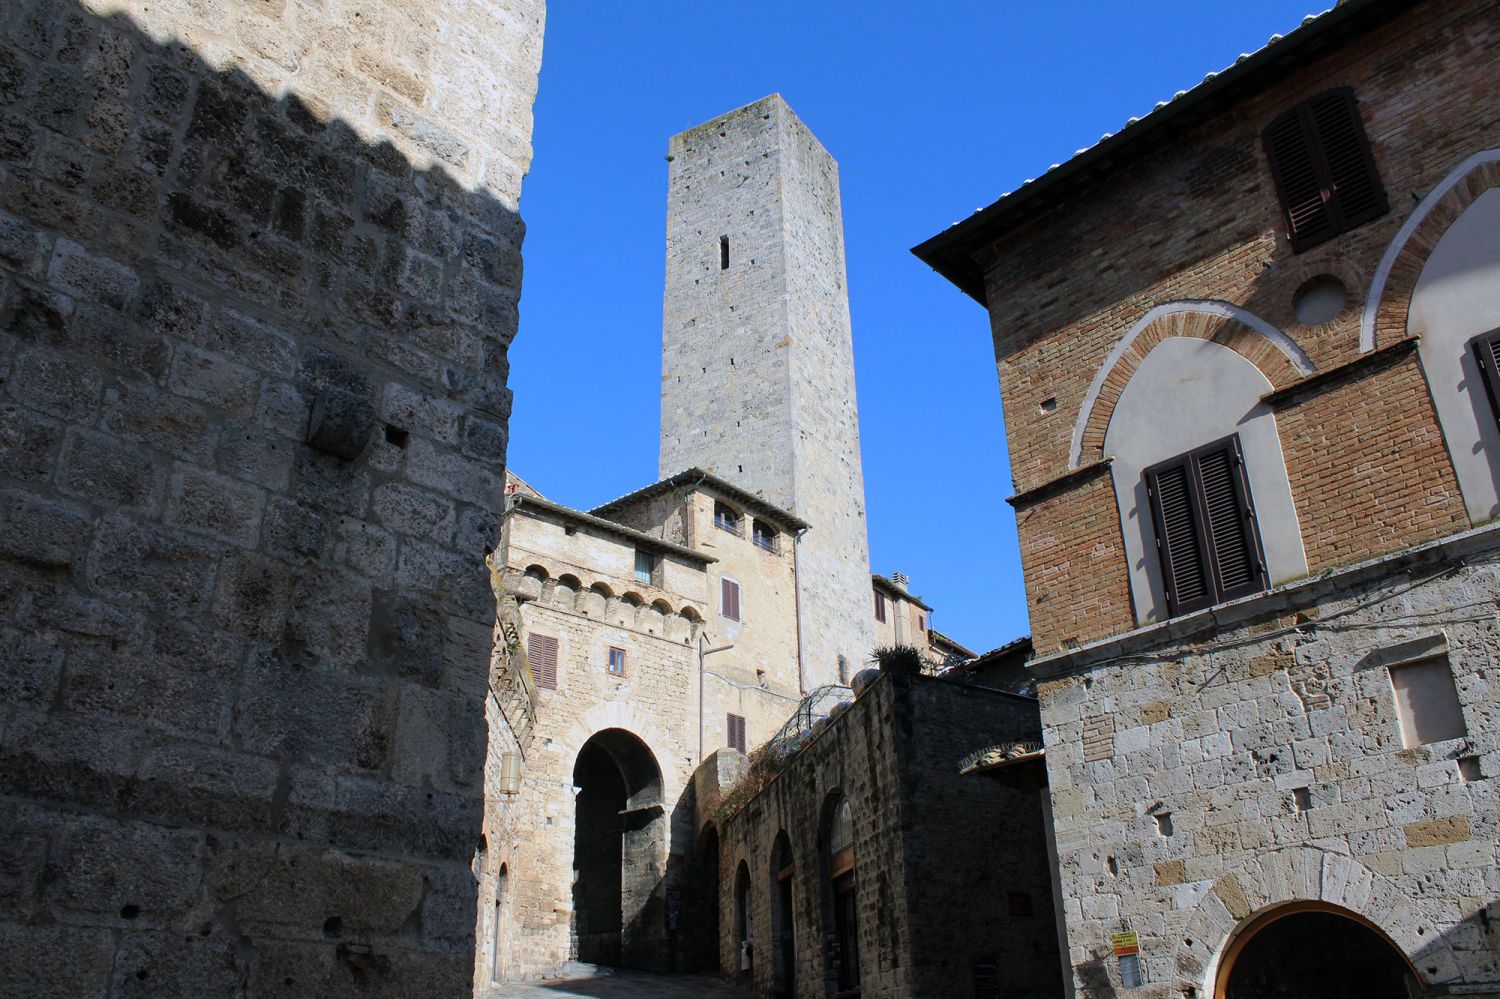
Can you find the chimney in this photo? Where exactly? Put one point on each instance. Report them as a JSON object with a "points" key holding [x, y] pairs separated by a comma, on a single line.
{"points": [[899, 578]]}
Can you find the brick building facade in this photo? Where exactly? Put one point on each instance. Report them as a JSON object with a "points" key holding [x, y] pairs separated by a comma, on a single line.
{"points": [[259, 266], [1247, 388]]}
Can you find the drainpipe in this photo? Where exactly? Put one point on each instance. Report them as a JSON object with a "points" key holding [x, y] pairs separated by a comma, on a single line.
{"points": [[702, 655], [797, 601]]}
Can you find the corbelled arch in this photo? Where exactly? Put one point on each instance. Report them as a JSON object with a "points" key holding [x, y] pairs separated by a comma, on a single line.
{"points": [[1389, 301], [1294, 876], [1277, 355]]}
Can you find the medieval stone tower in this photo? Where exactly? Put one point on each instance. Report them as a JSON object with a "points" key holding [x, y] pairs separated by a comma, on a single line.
{"points": [[757, 353]]}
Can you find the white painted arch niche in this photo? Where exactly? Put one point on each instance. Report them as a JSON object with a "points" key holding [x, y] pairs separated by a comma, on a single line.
{"points": [[1186, 393], [1456, 298]]}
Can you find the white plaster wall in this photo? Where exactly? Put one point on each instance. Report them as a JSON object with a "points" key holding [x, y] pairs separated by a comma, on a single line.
{"points": [[1456, 298], [1187, 393]]}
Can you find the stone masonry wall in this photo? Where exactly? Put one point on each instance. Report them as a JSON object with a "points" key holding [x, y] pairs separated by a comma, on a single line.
{"points": [[242, 722], [924, 836], [1198, 219], [1277, 755]]}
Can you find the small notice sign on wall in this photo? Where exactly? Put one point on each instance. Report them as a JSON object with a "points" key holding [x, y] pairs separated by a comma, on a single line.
{"points": [[986, 978], [1127, 947]]}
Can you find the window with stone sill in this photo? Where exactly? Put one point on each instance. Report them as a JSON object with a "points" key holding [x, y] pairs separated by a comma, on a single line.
{"points": [[616, 661], [764, 536]]}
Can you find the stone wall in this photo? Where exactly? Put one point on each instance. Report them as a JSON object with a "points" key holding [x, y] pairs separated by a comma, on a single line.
{"points": [[925, 837], [244, 677], [1266, 733]]}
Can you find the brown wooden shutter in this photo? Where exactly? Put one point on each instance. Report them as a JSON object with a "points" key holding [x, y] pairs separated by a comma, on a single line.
{"points": [[1206, 533], [1179, 537], [1487, 353], [736, 727], [880, 607], [541, 656], [1234, 542], [1324, 169], [730, 599], [1299, 182], [1357, 194]]}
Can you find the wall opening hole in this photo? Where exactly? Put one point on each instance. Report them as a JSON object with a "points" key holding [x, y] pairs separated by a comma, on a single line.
{"points": [[396, 436], [129, 911], [1049, 405], [1468, 769], [1113, 865], [1319, 300], [1302, 798], [1164, 823], [723, 253], [333, 926]]}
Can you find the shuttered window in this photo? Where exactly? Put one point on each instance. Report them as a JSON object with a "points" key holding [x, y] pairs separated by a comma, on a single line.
{"points": [[541, 656], [1206, 534], [1324, 170], [880, 607], [729, 599], [1486, 349], [736, 729]]}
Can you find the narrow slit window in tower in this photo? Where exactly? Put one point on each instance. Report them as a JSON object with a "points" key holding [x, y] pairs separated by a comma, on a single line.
{"points": [[723, 253]]}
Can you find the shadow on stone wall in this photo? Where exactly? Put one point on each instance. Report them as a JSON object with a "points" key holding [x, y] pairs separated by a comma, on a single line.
{"points": [[242, 741]]}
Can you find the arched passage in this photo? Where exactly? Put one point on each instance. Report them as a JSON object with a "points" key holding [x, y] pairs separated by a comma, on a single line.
{"points": [[1313, 951], [703, 900], [618, 851], [783, 922]]}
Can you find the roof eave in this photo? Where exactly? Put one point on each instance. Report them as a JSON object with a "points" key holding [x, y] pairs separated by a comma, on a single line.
{"points": [[951, 252]]}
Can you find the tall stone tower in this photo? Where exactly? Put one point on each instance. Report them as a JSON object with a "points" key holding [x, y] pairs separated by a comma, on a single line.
{"points": [[757, 353]]}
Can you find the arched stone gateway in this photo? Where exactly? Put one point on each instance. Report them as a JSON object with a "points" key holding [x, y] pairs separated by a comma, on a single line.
{"points": [[1246, 903], [1313, 950], [618, 852]]}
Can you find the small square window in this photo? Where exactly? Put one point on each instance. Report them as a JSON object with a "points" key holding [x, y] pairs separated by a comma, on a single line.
{"points": [[1427, 702], [617, 661], [645, 566]]}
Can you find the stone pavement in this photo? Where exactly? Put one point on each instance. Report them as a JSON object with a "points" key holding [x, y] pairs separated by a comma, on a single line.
{"points": [[593, 982]]}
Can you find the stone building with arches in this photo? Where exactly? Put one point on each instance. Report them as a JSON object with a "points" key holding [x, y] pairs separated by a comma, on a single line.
{"points": [[1247, 350]]}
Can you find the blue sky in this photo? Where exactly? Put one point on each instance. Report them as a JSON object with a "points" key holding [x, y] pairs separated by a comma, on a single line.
{"points": [[932, 111]]}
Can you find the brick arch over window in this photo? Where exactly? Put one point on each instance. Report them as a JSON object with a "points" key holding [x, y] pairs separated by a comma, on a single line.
{"points": [[1277, 355], [1389, 300], [1304, 874]]}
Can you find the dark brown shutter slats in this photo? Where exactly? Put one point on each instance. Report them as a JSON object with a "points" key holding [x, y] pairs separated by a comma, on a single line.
{"points": [[1206, 534], [1356, 192], [1324, 169], [541, 656], [737, 732], [730, 599], [1298, 179], [1178, 536], [1231, 530], [1487, 354]]}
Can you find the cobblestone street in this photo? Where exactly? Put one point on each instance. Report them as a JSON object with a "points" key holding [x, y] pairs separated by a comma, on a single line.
{"points": [[591, 982]]}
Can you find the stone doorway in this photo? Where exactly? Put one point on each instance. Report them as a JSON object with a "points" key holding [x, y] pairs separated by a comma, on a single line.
{"points": [[1313, 952], [783, 922], [618, 853], [703, 929]]}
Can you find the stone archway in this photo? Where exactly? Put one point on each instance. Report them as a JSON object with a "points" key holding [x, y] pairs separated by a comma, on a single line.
{"points": [[618, 853], [1315, 950], [1312, 878]]}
